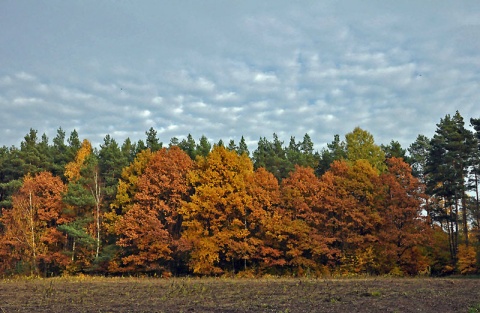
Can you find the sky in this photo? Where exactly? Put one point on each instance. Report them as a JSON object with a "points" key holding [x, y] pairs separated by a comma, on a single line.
{"points": [[226, 69]]}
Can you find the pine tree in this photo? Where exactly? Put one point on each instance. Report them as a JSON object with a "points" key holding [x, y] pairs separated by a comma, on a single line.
{"points": [[447, 170], [419, 151], [188, 145], [242, 147], [128, 150], [203, 148], [84, 197], [394, 149], [272, 156], [11, 173], [74, 145], [152, 141], [335, 151], [30, 155], [60, 154], [111, 161], [232, 146], [474, 181]]}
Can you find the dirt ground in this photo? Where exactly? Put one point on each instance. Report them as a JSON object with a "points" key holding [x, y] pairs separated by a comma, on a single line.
{"points": [[240, 295]]}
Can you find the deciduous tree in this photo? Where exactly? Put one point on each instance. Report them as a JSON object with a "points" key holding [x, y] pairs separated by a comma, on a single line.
{"points": [[404, 229], [216, 217], [349, 195], [360, 145], [150, 230], [30, 234]]}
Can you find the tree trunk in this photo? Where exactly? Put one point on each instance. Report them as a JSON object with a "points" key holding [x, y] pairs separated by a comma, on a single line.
{"points": [[455, 247], [97, 205], [244, 240], [477, 203], [96, 195], [32, 230], [464, 218], [73, 250]]}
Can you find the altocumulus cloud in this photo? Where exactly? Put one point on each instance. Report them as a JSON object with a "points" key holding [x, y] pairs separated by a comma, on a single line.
{"points": [[226, 70]]}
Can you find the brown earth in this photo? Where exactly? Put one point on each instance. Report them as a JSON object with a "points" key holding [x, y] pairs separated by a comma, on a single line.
{"points": [[240, 295]]}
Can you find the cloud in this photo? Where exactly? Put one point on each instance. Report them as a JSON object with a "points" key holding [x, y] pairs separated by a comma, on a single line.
{"points": [[25, 76], [255, 69]]}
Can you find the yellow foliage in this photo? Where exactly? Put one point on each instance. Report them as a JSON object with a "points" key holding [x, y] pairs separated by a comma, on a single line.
{"points": [[467, 261], [127, 185], [72, 169], [216, 218], [126, 190]]}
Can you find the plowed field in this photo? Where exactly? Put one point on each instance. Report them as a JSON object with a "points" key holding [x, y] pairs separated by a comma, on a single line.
{"points": [[70, 295]]}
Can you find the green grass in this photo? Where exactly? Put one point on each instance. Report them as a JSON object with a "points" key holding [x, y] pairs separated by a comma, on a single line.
{"points": [[474, 309]]}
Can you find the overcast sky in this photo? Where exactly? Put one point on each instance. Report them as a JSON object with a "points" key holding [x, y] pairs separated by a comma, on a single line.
{"points": [[224, 69]]}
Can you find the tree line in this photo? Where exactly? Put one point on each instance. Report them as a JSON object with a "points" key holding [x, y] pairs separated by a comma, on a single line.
{"points": [[142, 208]]}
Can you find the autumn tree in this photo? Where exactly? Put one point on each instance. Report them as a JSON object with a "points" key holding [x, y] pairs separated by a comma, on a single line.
{"points": [[308, 245], [360, 145], [150, 230], [467, 260], [72, 169], [30, 234], [215, 219], [404, 229], [127, 188], [267, 221], [349, 195]]}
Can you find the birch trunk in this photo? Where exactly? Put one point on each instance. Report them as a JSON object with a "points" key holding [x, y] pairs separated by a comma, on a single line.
{"points": [[32, 230]]}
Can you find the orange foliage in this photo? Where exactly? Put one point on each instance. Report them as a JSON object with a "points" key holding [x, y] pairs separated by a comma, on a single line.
{"points": [[30, 226], [404, 229], [264, 220], [467, 260], [309, 245], [349, 195], [149, 231]]}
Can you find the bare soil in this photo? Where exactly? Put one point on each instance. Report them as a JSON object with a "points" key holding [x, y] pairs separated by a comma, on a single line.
{"points": [[240, 295]]}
